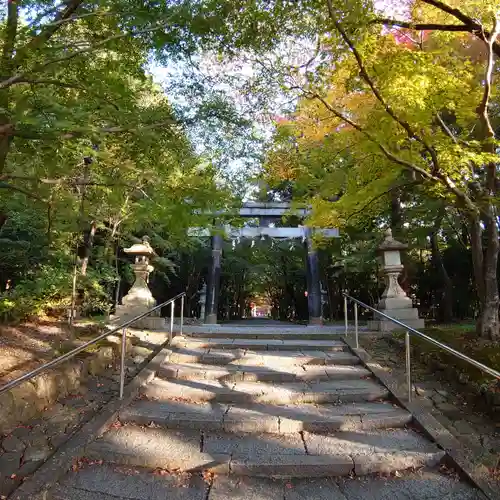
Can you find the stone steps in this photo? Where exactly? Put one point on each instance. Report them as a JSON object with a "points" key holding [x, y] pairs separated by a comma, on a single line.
{"points": [[259, 344], [259, 358], [239, 406], [287, 373], [109, 482], [300, 334], [337, 391], [291, 455], [267, 418]]}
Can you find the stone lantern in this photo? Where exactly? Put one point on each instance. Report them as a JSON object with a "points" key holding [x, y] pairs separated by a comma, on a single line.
{"points": [[139, 299], [394, 302]]}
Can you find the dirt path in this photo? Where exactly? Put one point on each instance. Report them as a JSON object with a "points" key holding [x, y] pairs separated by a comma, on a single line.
{"points": [[25, 346]]}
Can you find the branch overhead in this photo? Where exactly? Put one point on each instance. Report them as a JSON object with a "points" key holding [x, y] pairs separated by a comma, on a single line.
{"points": [[468, 24], [366, 77]]}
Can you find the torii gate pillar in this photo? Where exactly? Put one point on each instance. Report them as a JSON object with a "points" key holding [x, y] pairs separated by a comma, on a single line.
{"points": [[213, 286], [313, 282]]}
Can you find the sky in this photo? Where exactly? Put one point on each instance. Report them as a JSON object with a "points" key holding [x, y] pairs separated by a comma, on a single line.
{"points": [[169, 75]]}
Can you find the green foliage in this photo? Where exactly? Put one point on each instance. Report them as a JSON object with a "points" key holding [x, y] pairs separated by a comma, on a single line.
{"points": [[47, 289]]}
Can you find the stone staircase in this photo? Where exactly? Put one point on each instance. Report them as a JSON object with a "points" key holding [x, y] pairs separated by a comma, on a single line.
{"points": [[265, 407], [243, 407]]}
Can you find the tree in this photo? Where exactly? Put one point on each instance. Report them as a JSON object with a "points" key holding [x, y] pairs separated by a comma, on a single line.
{"points": [[411, 105]]}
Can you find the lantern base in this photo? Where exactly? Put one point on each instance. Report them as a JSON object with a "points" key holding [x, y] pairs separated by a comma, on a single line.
{"points": [[408, 316], [401, 302]]}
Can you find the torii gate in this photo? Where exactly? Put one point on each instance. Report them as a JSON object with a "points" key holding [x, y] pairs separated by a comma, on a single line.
{"points": [[267, 213]]}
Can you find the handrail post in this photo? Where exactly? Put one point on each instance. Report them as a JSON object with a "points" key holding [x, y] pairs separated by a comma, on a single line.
{"points": [[408, 363], [182, 313], [356, 340], [345, 315], [172, 310], [122, 362]]}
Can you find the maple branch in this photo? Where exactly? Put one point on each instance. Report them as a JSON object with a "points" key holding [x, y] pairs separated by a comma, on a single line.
{"points": [[8, 129], [469, 25], [4, 185], [17, 78], [64, 181], [482, 109], [366, 77], [118, 129], [446, 129], [68, 85], [475, 27], [453, 11], [380, 195], [49, 81], [436, 176], [421, 26], [49, 29], [81, 16]]}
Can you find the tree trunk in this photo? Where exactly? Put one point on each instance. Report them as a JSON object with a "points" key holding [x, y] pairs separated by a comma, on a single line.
{"points": [[446, 285], [476, 241], [488, 323], [485, 264], [87, 249]]}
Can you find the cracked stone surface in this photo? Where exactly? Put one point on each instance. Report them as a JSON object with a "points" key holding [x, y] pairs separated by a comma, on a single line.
{"points": [[109, 482], [132, 484], [12, 443]]}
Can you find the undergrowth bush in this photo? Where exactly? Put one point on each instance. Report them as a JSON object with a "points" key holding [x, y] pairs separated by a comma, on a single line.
{"points": [[47, 289]]}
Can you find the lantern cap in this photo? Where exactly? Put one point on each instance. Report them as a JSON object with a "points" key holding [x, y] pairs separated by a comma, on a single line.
{"points": [[390, 243], [143, 248]]}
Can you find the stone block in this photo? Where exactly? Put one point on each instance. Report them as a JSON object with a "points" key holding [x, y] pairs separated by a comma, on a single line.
{"points": [[156, 448], [46, 388], [246, 488], [294, 466], [249, 420], [36, 453], [8, 485], [24, 397], [12, 443], [317, 489], [10, 463], [384, 463], [107, 480], [389, 326], [101, 360], [29, 467], [395, 303], [253, 447], [8, 415]]}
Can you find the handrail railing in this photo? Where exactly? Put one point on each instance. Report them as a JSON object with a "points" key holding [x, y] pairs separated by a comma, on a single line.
{"points": [[409, 329], [123, 327]]}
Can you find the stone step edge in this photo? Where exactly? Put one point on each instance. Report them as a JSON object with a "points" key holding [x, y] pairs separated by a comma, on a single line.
{"points": [[286, 466], [263, 345], [264, 335], [251, 373], [218, 359], [238, 423]]}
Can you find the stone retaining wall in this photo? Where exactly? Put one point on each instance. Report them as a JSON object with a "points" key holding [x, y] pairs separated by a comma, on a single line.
{"points": [[29, 399]]}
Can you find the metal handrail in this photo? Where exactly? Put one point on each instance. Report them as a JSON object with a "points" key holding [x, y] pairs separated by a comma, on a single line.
{"points": [[409, 329], [71, 354]]}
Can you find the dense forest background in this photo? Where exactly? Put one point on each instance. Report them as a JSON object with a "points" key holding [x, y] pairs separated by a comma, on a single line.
{"points": [[373, 119]]}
